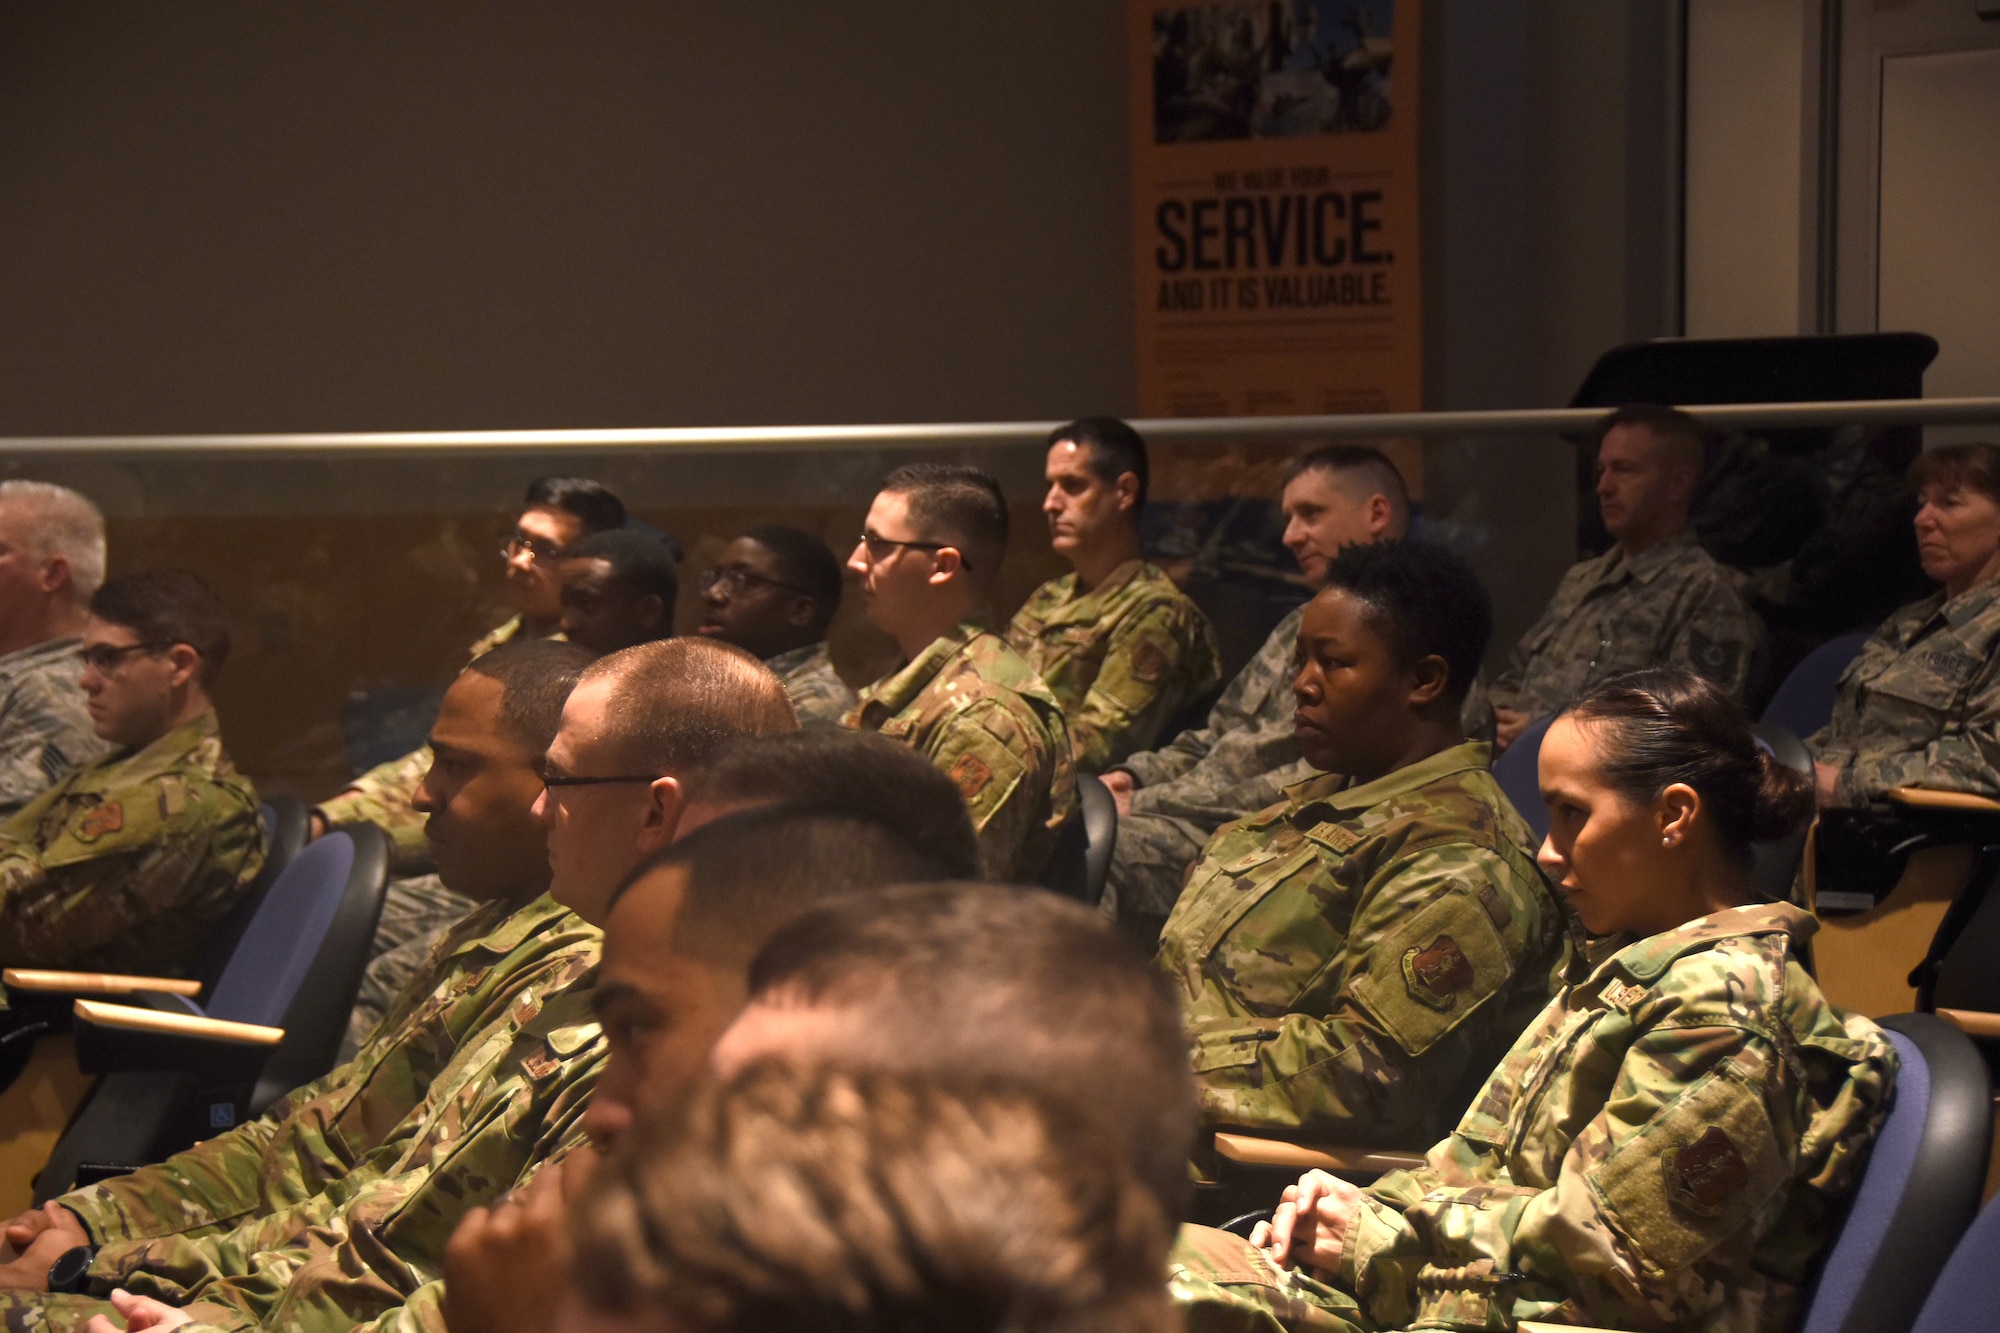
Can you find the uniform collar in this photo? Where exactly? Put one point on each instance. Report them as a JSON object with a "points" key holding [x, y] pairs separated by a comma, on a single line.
{"points": [[783, 664], [1330, 790], [895, 692], [49, 649], [1072, 603], [1967, 605], [1648, 564], [175, 749], [1647, 959], [518, 925]]}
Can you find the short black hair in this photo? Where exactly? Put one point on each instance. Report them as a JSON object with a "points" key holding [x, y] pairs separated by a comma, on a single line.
{"points": [[168, 606], [642, 562], [1111, 448], [751, 872], [591, 503], [807, 563], [858, 773], [535, 676], [958, 504], [1427, 602], [1673, 427]]}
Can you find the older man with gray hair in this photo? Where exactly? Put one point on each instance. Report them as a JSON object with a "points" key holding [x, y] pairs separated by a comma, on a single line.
{"points": [[51, 561]]}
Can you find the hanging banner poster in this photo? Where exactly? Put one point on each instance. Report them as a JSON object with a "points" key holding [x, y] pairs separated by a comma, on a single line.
{"points": [[1275, 191]]}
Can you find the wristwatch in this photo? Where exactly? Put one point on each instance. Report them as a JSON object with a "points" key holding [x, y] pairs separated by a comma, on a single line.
{"points": [[67, 1273]]}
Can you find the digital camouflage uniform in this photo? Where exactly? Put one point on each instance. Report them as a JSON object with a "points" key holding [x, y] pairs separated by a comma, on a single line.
{"points": [[1670, 605], [1921, 705], [125, 865], [508, 1099], [817, 692], [44, 724], [416, 914], [1353, 961], [1663, 1147], [383, 794], [1121, 659], [1240, 762], [973, 707], [1221, 1283]]}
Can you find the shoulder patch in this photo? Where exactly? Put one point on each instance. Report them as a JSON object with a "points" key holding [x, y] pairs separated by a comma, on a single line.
{"points": [[99, 820], [1711, 658], [971, 773], [1705, 1175], [1149, 661], [1436, 974]]}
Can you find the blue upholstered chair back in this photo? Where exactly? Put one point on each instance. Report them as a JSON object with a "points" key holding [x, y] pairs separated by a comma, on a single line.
{"points": [[1804, 703], [1517, 774], [1966, 1297], [1919, 1190], [281, 941]]}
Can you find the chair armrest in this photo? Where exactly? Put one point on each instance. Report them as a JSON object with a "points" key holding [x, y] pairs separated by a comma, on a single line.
{"points": [[1252, 1150], [1972, 1022], [1536, 1326], [95, 983], [1932, 798], [131, 1018]]}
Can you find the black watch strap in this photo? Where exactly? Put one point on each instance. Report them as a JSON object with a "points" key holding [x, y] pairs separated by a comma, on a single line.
{"points": [[70, 1269]]}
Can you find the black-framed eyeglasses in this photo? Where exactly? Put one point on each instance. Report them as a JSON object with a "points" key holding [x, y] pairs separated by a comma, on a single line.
{"points": [[551, 778], [538, 548], [104, 659], [734, 582], [878, 548]]}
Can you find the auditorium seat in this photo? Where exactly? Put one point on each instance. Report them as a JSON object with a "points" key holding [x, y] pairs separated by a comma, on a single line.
{"points": [[1804, 702], [1966, 1296], [1516, 772]]}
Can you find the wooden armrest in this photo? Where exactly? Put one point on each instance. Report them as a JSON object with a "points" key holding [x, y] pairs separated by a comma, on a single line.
{"points": [[1252, 1150], [1931, 798], [95, 983], [130, 1018], [1972, 1022]]}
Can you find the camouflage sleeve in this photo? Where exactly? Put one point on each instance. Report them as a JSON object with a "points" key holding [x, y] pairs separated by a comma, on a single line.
{"points": [[123, 881], [1965, 756], [1237, 709], [1683, 1157], [1717, 635], [1380, 1053], [47, 734], [985, 751], [382, 796], [1220, 1283], [1156, 661]]}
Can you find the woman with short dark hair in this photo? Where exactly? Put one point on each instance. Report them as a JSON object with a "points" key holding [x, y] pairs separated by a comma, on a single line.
{"points": [[1665, 1144], [1921, 705]]}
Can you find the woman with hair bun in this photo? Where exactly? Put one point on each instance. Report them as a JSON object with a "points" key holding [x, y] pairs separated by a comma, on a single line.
{"points": [[1665, 1143]]}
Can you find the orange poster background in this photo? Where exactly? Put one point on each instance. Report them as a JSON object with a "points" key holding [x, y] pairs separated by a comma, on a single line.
{"points": [[1225, 331]]}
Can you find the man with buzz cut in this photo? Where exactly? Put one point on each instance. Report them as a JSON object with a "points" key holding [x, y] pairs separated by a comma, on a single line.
{"points": [[1119, 645], [123, 866], [772, 593], [1654, 599], [51, 561], [928, 554]]}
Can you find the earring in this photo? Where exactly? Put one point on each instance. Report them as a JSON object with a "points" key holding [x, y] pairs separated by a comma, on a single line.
{"points": [[1667, 841]]}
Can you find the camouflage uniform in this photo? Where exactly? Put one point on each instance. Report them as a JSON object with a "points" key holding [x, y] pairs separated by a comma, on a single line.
{"points": [[1122, 659], [490, 973], [125, 865], [1241, 761], [44, 725], [510, 1099], [1354, 960], [971, 706], [416, 913], [817, 692], [383, 794], [1921, 705], [1664, 1146], [1670, 605], [1221, 1283]]}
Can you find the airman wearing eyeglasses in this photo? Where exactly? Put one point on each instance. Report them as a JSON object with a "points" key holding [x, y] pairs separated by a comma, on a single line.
{"points": [[772, 593], [557, 511], [125, 864], [928, 553]]}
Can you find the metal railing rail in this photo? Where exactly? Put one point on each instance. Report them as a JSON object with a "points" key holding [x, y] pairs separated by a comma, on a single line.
{"points": [[1163, 430]]}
